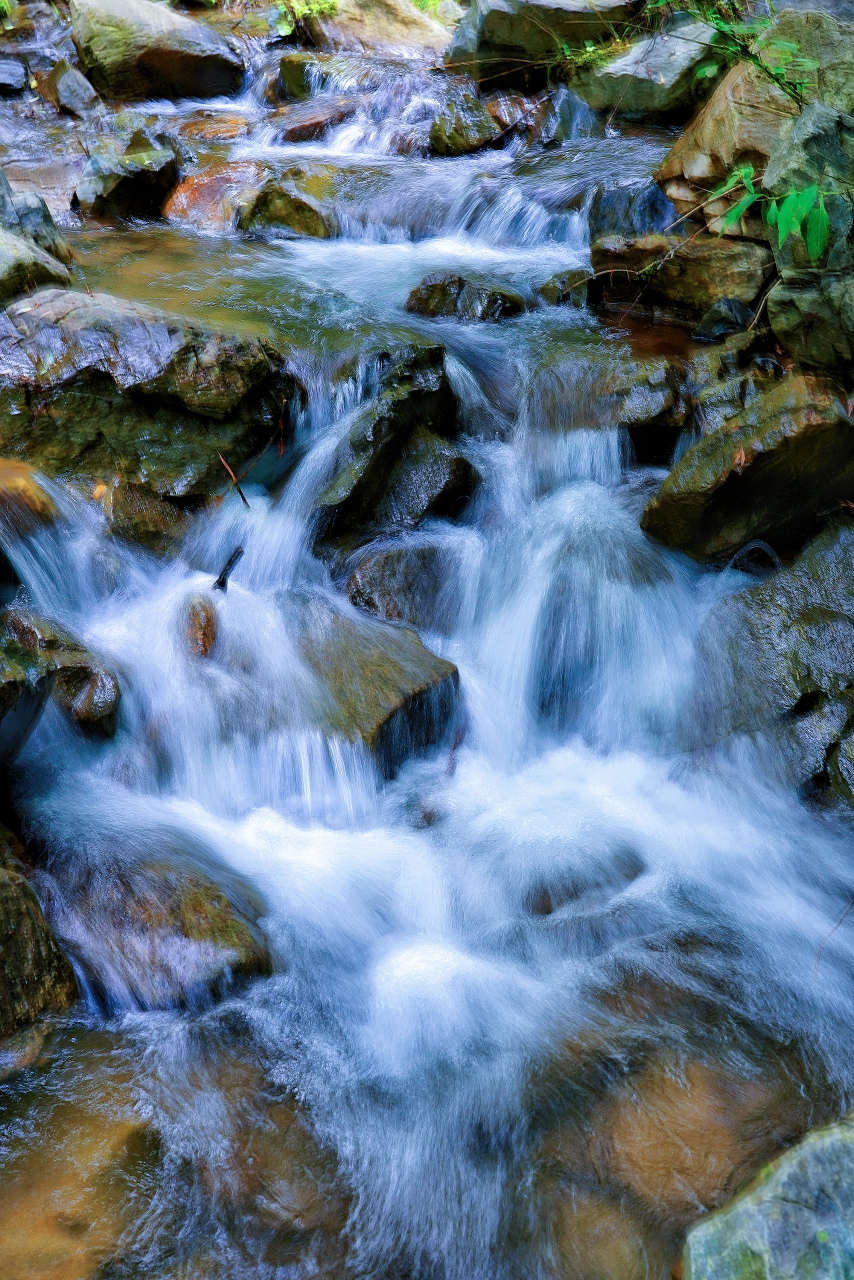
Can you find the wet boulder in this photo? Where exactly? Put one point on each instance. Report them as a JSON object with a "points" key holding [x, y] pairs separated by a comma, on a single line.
{"points": [[37, 224], [13, 77], [293, 82], [397, 464], [667, 277], [722, 319], [629, 209], [401, 583], [68, 90], [35, 976], [381, 685], [664, 75], [443, 293], [24, 266], [136, 49], [567, 288], [794, 1220], [462, 126], [511, 43], [283, 204], [769, 473], [309, 121], [562, 117], [25, 505], [385, 26], [217, 196], [134, 183], [125, 391]]}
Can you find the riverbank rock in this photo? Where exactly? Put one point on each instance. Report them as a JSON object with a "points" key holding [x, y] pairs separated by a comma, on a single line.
{"points": [[24, 266], [665, 277], [136, 49], [96, 388], [66, 89], [657, 77], [397, 463], [35, 977], [382, 686], [36, 223], [787, 648], [134, 183], [769, 473], [794, 1220], [464, 125], [511, 43], [445, 294]]}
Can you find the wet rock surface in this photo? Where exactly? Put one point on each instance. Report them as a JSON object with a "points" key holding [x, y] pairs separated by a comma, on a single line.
{"points": [[68, 90], [134, 183], [446, 294], [24, 266]]}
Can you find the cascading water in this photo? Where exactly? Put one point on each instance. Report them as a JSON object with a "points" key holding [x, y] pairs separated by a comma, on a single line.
{"points": [[573, 871]]}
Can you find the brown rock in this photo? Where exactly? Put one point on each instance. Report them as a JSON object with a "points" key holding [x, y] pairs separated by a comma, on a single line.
{"points": [[35, 977], [596, 1239], [212, 198], [666, 277], [308, 121], [201, 625], [772, 472], [24, 504]]}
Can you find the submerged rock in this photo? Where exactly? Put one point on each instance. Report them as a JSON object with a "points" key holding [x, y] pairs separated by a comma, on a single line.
{"points": [[511, 43], [658, 75], [769, 473], [35, 977], [134, 183], [24, 266], [136, 49], [667, 277], [566, 288], [446, 294], [795, 1220], [463, 126], [382, 686], [123, 390], [67, 90]]}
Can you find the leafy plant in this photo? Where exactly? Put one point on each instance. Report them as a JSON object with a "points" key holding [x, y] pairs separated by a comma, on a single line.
{"points": [[800, 212], [5, 10], [291, 14]]}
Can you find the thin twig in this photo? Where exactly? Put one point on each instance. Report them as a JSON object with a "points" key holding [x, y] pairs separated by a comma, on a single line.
{"points": [[839, 922], [234, 480]]}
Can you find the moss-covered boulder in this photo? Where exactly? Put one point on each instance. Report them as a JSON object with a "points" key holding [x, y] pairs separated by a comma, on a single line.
{"points": [[462, 126], [380, 685], [134, 183], [772, 473], [565, 288], [24, 266], [284, 204], [511, 43], [294, 81], [35, 976], [136, 49], [657, 77], [794, 1220], [97, 388], [667, 277]]}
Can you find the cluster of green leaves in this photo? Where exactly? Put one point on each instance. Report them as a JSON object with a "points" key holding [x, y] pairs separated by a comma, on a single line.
{"points": [[801, 213], [5, 9], [288, 16]]}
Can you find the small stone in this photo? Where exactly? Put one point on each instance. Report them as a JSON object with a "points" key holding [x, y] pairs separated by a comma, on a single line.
{"points": [[436, 295], [36, 221], [722, 319], [67, 90], [445, 294], [13, 77], [201, 628]]}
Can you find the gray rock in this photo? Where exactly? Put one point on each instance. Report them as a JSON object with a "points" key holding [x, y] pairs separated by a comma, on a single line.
{"points": [[796, 1220], [567, 117], [67, 90], [723, 318], [511, 43], [24, 266], [136, 49], [36, 222], [630, 209], [13, 77], [401, 583]]}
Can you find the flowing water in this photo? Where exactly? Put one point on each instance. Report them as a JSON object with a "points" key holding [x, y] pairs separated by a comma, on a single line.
{"points": [[475, 963]]}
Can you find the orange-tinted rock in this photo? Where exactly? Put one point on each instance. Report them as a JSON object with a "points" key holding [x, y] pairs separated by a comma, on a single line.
{"points": [[201, 629], [211, 199], [597, 1239], [308, 121], [24, 504], [216, 128]]}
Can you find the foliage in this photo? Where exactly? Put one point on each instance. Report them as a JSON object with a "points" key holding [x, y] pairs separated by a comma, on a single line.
{"points": [[800, 212], [427, 6], [291, 14], [5, 9]]}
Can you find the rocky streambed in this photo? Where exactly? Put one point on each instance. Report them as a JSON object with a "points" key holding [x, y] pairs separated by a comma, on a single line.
{"points": [[427, 714]]}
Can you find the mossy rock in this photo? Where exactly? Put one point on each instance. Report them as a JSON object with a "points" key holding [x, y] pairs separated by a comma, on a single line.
{"points": [[24, 266], [464, 125]]}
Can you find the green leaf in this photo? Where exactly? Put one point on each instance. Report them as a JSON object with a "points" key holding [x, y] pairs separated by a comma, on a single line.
{"points": [[772, 213], [793, 210], [732, 215], [706, 70], [817, 231], [742, 177]]}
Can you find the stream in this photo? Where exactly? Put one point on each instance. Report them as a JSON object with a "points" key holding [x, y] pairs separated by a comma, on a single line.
{"points": [[506, 979]]}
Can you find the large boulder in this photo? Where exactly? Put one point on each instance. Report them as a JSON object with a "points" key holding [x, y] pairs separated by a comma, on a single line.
{"points": [[770, 473], [667, 277], [381, 685], [35, 977], [464, 125], [136, 49], [133, 183], [794, 1220], [402, 582], [785, 649], [282, 204], [96, 388], [512, 43], [658, 76], [383, 26], [24, 266]]}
